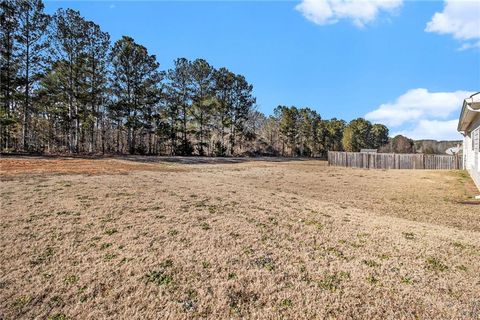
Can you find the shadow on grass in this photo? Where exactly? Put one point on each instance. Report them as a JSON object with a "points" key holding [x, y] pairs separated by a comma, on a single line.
{"points": [[210, 160], [158, 159]]}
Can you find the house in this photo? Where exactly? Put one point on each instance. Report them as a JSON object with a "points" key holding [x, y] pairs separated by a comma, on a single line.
{"points": [[469, 127]]}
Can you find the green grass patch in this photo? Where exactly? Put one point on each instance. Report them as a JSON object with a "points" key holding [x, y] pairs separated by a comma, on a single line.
{"points": [[111, 231], [333, 281], [286, 303], [162, 276], [71, 279], [371, 263], [372, 279], [409, 235], [58, 316], [434, 264]]}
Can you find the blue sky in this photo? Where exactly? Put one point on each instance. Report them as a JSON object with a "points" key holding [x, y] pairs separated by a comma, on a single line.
{"points": [[404, 63]]}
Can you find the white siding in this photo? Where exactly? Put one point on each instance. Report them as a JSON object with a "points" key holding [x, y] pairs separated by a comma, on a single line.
{"points": [[471, 150]]}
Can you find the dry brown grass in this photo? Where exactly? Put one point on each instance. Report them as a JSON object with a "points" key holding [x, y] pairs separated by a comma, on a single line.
{"points": [[27, 166], [241, 240]]}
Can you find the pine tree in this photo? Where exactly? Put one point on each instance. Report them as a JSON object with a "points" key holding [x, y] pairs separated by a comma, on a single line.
{"points": [[180, 86], [357, 135], [288, 127], [203, 100], [378, 136], [32, 42], [224, 85], [97, 50], [69, 32], [52, 101], [135, 85], [241, 108], [8, 71]]}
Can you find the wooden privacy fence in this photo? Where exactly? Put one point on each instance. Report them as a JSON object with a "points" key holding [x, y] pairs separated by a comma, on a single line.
{"points": [[394, 161]]}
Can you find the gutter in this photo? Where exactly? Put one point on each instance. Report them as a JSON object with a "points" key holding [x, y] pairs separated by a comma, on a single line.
{"points": [[466, 107]]}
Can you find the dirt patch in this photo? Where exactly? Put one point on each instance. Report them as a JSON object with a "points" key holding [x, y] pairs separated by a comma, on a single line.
{"points": [[259, 240]]}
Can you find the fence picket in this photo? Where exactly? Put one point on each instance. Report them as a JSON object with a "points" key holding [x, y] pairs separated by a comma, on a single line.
{"points": [[394, 161]]}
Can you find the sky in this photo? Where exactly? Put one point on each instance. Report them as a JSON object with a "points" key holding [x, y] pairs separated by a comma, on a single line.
{"points": [[406, 64]]}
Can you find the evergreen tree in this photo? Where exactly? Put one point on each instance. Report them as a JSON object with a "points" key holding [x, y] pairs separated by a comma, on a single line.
{"points": [[32, 42], [135, 85], [8, 71], [240, 109], [333, 135], [288, 127], [379, 136], [180, 87], [309, 123], [357, 135], [97, 46], [203, 100], [53, 104], [69, 33], [169, 127], [224, 89]]}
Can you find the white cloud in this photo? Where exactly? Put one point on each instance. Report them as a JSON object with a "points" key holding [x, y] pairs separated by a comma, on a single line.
{"points": [[433, 129], [361, 12], [418, 104], [461, 19], [469, 45], [421, 114]]}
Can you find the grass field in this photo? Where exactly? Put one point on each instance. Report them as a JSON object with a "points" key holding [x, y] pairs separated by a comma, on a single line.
{"points": [[141, 238]]}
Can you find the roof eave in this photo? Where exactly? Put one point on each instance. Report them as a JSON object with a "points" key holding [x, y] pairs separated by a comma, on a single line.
{"points": [[469, 109], [462, 124]]}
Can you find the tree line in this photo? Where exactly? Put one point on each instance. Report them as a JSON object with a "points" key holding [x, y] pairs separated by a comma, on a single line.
{"points": [[65, 88]]}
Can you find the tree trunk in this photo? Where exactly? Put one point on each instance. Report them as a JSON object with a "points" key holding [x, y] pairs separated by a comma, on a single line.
{"points": [[27, 87], [118, 136]]}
